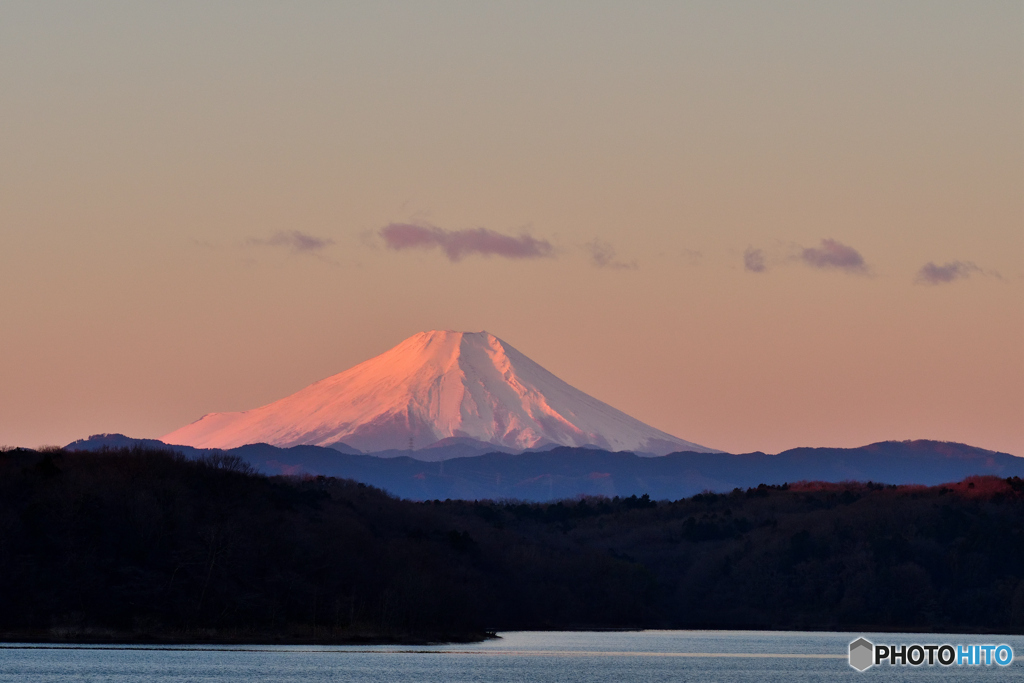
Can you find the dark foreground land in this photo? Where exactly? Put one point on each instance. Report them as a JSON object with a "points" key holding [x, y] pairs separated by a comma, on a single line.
{"points": [[147, 546]]}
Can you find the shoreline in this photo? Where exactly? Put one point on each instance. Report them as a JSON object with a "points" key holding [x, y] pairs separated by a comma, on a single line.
{"points": [[100, 637], [97, 638]]}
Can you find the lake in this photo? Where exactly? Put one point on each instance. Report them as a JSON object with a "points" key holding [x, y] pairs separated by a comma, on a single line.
{"points": [[649, 656]]}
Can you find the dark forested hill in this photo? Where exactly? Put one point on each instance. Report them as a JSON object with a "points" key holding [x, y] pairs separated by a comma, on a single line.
{"points": [[148, 545]]}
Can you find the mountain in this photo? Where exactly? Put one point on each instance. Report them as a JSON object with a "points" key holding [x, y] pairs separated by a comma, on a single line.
{"points": [[434, 386], [571, 472], [565, 473], [445, 449]]}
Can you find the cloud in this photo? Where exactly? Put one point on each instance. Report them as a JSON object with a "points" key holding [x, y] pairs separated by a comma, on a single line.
{"points": [[294, 240], [833, 254], [753, 260], [602, 255], [931, 274], [456, 244]]}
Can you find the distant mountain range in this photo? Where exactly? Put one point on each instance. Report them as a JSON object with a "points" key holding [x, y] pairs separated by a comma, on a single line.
{"points": [[566, 472], [432, 388]]}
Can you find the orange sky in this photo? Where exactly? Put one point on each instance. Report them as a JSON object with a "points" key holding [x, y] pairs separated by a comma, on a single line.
{"points": [[194, 203]]}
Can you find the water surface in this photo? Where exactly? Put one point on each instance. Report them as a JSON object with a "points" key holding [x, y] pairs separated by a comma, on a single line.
{"points": [[649, 656]]}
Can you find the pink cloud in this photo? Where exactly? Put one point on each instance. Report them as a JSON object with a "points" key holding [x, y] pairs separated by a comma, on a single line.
{"points": [[457, 244], [834, 254], [294, 240], [932, 274], [603, 255], [753, 260]]}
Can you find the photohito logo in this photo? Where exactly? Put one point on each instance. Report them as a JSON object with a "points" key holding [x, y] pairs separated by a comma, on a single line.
{"points": [[865, 654]]}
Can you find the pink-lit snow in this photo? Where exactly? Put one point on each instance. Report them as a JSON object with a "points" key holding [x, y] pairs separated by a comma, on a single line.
{"points": [[433, 386]]}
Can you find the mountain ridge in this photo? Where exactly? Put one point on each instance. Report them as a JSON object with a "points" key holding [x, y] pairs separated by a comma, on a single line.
{"points": [[566, 472]]}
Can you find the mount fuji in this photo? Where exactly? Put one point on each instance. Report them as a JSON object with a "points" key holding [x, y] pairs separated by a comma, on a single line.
{"points": [[434, 386]]}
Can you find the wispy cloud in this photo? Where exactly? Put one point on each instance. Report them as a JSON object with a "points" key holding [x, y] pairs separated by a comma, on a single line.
{"points": [[753, 260], [294, 240], [457, 244], [602, 255], [834, 254], [932, 274]]}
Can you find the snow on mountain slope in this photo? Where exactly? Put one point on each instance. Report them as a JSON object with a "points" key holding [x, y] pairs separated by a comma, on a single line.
{"points": [[432, 386]]}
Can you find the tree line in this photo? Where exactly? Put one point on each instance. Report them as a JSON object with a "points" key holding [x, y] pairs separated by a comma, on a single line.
{"points": [[147, 545]]}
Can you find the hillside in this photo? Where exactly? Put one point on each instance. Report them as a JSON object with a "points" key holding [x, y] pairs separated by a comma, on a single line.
{"points": [[147, 546]]}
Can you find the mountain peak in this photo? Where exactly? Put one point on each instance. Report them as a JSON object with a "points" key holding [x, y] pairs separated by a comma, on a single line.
{"points": [[432, 386]]}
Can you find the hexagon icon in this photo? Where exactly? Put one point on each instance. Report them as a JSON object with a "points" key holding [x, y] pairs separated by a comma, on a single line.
{"points": [[862, 654]]}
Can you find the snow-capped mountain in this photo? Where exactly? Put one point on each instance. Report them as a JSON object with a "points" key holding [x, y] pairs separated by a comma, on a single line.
{"points": [[436, 385]]}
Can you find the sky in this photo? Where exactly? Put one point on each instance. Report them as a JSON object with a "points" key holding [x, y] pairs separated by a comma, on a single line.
{"points": [[755, 226]]}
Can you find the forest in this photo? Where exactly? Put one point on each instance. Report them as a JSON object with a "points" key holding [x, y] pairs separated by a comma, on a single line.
{"points": [[144, 545]]}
